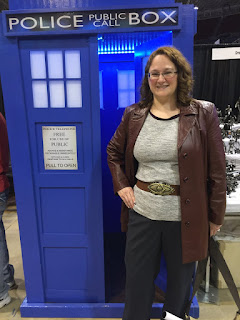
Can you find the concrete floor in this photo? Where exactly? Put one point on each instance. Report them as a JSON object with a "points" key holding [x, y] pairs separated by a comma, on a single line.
{"points": [[225, 310]]}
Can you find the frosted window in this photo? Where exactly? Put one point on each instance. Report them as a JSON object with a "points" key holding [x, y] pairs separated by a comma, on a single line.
{"points": [[55, 64], [72, 64], [74, 94], [125, 99], [126, 88], [38, 65], [57, 96], [126, 79], [40, 97], [132, 97], [101, 89]]}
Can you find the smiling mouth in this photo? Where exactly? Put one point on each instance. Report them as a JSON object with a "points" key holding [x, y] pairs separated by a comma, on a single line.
{"points": [[162, 87]]}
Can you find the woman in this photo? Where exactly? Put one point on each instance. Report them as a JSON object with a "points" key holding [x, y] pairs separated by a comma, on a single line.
{"points": [[173, 140]]}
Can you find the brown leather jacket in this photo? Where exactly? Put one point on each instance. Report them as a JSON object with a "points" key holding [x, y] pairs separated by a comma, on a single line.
{"points": [[202, 167]]}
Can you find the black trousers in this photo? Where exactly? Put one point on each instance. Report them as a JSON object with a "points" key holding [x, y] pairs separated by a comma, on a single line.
{"points": [[146, 240]]}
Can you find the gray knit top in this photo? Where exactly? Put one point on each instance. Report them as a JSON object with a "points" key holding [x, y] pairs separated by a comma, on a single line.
{"points": [[157, 155]]}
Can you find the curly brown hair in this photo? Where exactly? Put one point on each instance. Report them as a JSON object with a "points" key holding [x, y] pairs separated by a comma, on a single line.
{"points": [[185, 80]]}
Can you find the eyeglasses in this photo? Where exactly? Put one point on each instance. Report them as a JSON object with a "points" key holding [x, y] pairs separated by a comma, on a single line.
{"points": [[166, 75]]}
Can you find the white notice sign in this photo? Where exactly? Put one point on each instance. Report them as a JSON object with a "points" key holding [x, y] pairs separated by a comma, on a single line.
{"points": [[60, 148], [226, 53]]}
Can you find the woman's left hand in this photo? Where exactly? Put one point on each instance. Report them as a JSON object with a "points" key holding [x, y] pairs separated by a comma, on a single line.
{"points": [[214, 228]]}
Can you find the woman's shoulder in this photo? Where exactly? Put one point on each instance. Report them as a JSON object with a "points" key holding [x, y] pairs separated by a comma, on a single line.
{"points": [[133, 107], [134, 110], [203, 105]]}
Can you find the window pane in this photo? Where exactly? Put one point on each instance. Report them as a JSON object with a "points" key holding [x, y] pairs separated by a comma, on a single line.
{"points": [[131, 97], [38, 65], [126, 79], [72, 64], [126, 98], [126, 88], [57, 96], [101, 89], [123, 99], [132, 80], [74, 94], [40, 98], [55, 64]]}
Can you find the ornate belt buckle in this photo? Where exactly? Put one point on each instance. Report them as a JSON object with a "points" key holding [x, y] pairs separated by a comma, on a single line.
{"points": [[162, 189]]}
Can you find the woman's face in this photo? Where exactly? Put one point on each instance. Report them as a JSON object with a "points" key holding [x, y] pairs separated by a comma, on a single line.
{"points": [[160, 86]]}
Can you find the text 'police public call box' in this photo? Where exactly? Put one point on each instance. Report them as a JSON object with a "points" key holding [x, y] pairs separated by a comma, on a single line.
{"points": [[50, 79]]}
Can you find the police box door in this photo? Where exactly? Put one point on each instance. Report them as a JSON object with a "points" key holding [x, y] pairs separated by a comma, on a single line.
{"points": [[63, 116]]}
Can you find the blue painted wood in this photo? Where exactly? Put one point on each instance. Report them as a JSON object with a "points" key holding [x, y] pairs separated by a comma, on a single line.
{"points": [[110, 119], [69, 203], [60, 212], [50, 4], [18, 134], [89, 310], [95, 226], [184, 40]]}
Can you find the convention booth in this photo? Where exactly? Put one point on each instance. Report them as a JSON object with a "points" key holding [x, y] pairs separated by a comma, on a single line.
{"points": [[68, 70]]}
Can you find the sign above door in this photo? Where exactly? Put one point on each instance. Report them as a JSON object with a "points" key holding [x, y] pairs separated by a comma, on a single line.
{"points": [[90, 21]]}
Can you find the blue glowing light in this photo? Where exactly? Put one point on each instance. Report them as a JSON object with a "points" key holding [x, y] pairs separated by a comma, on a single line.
{"points": [[127, 42], [115, 52]]}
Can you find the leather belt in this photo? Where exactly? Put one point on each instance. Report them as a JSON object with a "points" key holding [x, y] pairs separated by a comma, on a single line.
{"points": [[158, 188]]}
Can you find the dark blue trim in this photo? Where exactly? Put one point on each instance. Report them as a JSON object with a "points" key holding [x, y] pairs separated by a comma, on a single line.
{"points": [[26, 4], [113, 7], [89, 310], [88, 32]]}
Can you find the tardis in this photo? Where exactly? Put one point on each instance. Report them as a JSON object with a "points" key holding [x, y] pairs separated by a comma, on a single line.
{"points": [[68, 69]]}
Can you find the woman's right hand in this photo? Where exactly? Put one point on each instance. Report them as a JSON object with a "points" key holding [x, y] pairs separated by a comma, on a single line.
{"points": [[127, 195]]}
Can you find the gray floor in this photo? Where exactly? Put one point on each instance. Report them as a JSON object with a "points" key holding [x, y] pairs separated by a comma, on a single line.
{"points": [[222, 306]]}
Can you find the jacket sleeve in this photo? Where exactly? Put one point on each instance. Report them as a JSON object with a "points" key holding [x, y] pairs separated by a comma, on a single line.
{"points": [[216, 170], [116, 154]]}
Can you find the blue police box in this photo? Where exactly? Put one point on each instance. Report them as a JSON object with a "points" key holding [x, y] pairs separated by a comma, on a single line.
{"points": [[68, 70]]}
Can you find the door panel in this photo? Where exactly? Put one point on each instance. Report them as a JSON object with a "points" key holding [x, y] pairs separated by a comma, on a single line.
{"points": [[110, 67], [69, 214]]}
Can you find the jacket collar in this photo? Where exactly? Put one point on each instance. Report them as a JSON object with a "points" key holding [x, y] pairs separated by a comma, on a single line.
{"points": [[184, 110], [187, 110], [139, 113], [138, 118], [186, 122]]}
